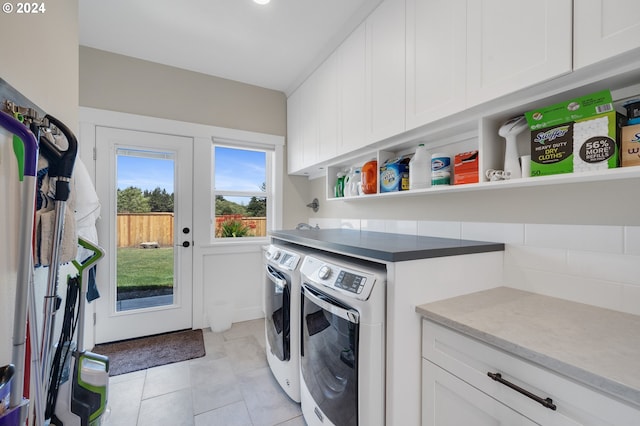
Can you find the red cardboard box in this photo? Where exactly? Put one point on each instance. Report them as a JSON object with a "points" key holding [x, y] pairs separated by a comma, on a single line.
{"points": [[465, 168]]}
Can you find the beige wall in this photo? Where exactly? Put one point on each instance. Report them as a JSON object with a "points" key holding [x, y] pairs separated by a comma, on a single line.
{"points": [[38, 57], [598, 203], [124, 84], [121, 83]]}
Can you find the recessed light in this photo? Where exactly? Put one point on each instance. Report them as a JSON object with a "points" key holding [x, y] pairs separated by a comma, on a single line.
{"points": [[262, 1]]}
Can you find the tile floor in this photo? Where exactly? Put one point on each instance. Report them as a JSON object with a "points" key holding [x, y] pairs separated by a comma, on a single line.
{"points": [[231, 385]]}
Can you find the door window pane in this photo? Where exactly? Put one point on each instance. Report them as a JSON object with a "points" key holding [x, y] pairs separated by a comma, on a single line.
{"points": [[145, 222]]}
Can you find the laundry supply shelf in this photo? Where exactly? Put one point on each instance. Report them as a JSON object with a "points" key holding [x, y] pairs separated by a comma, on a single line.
{"points": [[477, 129], [567, 178]]}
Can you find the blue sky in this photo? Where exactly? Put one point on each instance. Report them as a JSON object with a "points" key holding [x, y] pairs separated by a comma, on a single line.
{"points": [[239, 170], [236, 170], [145, 173]]}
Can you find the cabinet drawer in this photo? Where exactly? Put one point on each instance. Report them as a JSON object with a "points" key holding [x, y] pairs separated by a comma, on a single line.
{"points": [[471, 360], [449, 401]]}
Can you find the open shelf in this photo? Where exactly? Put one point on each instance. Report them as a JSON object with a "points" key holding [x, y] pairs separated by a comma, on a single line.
{"points": [[567, 178]]}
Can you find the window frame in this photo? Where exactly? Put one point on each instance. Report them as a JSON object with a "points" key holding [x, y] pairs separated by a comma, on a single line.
{"points": [[273, 188]]}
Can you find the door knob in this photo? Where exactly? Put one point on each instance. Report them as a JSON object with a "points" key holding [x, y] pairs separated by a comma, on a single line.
{"points": [[185, 230], [186, 244]]}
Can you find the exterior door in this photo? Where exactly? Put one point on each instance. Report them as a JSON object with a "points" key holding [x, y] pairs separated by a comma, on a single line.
{"points": [[145, 187]]}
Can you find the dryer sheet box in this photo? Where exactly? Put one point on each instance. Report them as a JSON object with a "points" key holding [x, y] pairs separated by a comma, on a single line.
{"points": [[577, 135]]}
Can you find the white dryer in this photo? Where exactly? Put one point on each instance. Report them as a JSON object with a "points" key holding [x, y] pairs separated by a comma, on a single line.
{"points": [[342, 362], [282, 314]]}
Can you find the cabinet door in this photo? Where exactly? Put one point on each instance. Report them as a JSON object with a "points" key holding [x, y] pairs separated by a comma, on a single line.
{"points": [[436, 59], [513, 44], [328, 110], [385, 29], [352, 72], [295, 137], [310, 122], [448, 401], [604, 28]]}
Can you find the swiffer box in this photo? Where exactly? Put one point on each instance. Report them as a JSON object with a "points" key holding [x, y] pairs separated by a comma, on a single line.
{"points": [[630, 146], [577, 135]]}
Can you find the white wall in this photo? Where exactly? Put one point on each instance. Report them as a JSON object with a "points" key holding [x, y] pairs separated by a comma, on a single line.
{"points": [[39, 57], [592, 264]]}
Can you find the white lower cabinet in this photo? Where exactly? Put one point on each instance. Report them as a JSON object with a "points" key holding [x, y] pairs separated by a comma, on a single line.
{"points": [[449, 401], [457, 389]]}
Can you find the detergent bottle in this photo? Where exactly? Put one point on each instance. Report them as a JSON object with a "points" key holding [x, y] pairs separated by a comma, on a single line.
{"points": [[370, 177]]}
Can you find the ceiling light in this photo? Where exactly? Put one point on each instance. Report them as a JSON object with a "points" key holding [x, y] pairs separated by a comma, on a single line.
{"points": [[262, 1]]}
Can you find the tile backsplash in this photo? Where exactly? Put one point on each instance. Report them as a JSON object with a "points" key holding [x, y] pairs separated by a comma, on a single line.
{"points": [[597, 265]]}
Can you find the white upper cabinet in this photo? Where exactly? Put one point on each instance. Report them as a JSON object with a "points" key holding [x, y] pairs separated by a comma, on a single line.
{"points": [[310, 107], [436, 59], [385, 56], [604, 28], [294, 132], [513, 44], [328, 108], [352, 72]]}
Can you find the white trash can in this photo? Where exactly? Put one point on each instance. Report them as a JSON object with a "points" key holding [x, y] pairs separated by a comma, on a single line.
{"points": [[220, 316]]}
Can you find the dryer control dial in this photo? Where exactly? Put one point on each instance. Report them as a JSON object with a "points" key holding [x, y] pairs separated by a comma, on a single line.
{"points": [[324, 272]]}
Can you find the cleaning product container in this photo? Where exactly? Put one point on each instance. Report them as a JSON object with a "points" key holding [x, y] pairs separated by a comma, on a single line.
{"points": [[352, 182], [370, 177], [420, 169], [339, 188], [440, 169]]}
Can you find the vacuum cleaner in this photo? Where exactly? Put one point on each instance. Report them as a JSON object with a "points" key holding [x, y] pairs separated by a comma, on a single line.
{"points": [[79, 382]]}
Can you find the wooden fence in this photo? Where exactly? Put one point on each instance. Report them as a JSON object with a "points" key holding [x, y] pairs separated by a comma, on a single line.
{"points": [[137, 228]]}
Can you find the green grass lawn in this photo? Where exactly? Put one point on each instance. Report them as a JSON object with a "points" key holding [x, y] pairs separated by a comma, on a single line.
{"points": [[140, 269]]}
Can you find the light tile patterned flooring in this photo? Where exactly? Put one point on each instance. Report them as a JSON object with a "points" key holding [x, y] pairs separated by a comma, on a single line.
{"points": [[231, 385]]}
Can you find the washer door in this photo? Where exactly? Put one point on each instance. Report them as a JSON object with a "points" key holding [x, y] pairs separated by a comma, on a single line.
{"points": [[329, 355], [277, 310]]}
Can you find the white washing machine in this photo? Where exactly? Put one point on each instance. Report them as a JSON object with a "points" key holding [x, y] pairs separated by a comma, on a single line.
{"points": [[282, 315], [342, 362]]}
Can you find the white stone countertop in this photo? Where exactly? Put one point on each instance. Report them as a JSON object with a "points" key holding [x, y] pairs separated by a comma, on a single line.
{"points": [[594, 346]]}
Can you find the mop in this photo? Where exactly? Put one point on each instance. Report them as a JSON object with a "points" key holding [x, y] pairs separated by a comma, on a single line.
{"points": [[17, 410]]}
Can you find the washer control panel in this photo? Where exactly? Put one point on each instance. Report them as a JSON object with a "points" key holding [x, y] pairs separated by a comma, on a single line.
{"points": [[283, 258], [350, 282]]}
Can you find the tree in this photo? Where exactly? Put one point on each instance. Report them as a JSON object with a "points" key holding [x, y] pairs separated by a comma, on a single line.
{"points": [[257, 207], [131, 200], [224, 207], [159, 200]]}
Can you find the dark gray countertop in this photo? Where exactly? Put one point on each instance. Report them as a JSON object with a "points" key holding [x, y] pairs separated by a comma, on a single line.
{"points": [[383, 246]]}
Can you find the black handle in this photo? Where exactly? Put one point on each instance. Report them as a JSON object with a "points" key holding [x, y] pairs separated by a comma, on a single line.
{"points": [[185, 230], [63, 161], [60, 162], [547, 402], [186, 244]]}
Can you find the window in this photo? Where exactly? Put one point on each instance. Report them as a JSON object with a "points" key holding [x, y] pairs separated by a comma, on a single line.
{"points": [[242, 191]]}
